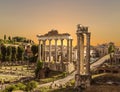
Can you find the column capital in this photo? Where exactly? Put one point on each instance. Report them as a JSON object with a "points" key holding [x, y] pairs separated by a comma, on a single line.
{"points": [[88, 35], [44, 40], [39, 41], [67, 39], [49, 39], [79, 34], [55, 39], [61, 39]]}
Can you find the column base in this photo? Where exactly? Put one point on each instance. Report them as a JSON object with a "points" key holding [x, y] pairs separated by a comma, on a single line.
{"points": [[61, 67], [82, 81], [85, 80]]}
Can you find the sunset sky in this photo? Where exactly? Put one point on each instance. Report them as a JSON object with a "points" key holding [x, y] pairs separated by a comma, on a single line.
{"points": [[28, 18]]}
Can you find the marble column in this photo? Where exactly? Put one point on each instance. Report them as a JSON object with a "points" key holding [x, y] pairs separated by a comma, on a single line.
{"points": [[82, 54], [50, 50], [88, 53], [61, 63], [71, 50], [68, 50], [39, 50], [78, 53], [44, 50], [56, 50]]}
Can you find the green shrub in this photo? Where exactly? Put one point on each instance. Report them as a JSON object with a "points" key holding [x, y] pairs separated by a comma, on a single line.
{"points": [[11, 88], [21, 86], [31, 85], [39, 66]]}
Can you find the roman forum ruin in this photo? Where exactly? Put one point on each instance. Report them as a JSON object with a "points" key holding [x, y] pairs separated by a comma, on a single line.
{"points": [[58, 62], [83, 63]]}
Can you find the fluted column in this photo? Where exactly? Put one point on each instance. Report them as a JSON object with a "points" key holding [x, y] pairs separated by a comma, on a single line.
{"points": [[56, 50], [68, 50], [88, 53], [49, 51], [71, 50], [39, 50], [82, 54]]}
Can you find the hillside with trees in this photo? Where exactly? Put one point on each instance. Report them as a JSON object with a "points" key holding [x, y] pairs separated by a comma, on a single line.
{"points": [[15, 49], [15, 40]]}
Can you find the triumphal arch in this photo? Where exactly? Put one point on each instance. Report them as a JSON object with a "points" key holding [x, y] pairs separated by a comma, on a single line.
{"points": [[58, 63]]}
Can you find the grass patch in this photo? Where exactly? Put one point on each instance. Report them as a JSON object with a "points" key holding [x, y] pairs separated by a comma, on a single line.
{"points": [[54, 75]]}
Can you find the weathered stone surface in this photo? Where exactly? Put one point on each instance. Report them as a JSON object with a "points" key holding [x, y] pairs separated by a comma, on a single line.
{"points": [[43, 73], [54, 33], [83, 63]]}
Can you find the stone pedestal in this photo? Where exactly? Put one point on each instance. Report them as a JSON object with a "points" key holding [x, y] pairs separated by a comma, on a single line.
{"points": [[85, 80]]}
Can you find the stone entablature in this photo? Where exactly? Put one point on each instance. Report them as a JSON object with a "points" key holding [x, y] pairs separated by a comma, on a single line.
{"points": [[53, 34], [82, 29], [54, 37]]}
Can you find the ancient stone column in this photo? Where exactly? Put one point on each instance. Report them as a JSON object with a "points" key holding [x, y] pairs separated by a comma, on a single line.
{"points": [[56, 50], [71, 50], [61, 63], [39, 50], [78, 54], [68, 50], [81, 54], [88, 53], [49, 51], [44, 49], [82, 67]]}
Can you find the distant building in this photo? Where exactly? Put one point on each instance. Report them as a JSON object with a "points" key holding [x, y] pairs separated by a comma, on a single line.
{"points": [[102, 49], [28, 51], [93, 54], [116, 57]]}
